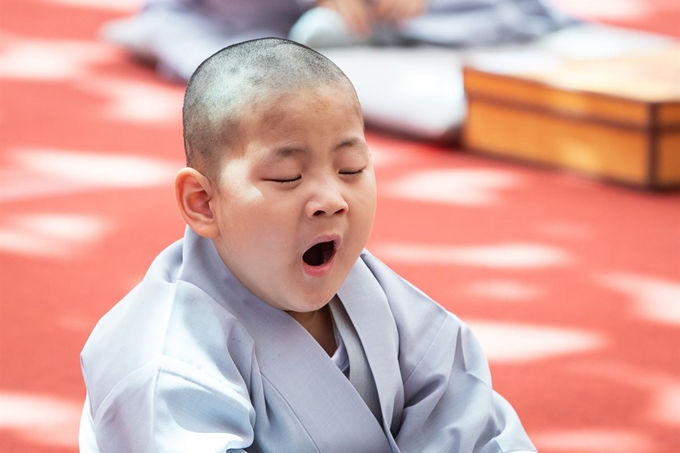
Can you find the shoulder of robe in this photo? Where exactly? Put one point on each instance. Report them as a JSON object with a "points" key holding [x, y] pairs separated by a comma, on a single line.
{"points": [[420, 320], [163, 319], [402, 295]]}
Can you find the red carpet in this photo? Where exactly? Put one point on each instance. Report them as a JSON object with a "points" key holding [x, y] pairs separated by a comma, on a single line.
{"points": [[573, 286]]}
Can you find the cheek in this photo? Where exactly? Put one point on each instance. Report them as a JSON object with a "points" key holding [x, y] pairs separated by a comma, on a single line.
{"points": [[365, 200], [262, 226], [243, 205]]}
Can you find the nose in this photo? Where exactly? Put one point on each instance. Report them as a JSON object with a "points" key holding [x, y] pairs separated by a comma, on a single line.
{"points": [[327, 200]]}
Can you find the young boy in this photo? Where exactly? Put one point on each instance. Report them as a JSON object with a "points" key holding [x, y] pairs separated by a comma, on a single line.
{"points": [[269, 328]]}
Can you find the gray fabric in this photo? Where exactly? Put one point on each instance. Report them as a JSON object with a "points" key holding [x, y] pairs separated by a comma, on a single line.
{"points": [[484, 22], [180, 34], [359, 370], [190, 360]]}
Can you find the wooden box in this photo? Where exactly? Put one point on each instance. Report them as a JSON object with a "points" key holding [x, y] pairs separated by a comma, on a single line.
{"points": [[617, 119]]}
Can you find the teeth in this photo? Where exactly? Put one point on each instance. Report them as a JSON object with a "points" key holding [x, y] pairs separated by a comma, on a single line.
{"points": [[319, 254]]}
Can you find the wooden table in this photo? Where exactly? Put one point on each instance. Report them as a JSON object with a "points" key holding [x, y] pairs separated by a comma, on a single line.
{"points": [[616, 119]]}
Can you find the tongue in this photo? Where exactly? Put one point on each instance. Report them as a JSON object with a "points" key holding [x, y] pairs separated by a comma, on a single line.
{"points": [[319, 254]]}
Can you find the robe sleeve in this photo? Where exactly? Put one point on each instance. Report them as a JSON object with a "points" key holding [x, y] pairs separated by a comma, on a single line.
{"points": [[170, 406], [449, 402]]}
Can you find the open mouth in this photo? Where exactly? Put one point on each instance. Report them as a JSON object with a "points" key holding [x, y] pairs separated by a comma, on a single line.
{"points": [[319, 254]]}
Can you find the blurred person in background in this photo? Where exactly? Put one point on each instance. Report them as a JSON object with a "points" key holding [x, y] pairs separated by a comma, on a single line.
{"points": [[176, 35]]}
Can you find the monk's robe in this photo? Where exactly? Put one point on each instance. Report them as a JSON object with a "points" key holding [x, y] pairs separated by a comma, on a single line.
{"points": [[191, 361]]}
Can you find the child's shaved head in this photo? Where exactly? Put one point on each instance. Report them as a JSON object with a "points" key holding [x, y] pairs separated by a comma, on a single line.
{"points": [[226, 85]]}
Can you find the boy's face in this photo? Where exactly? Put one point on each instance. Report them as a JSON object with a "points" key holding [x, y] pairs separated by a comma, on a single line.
{"points": [[296, 198]]}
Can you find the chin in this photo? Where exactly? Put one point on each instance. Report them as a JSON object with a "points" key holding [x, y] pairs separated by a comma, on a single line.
{"points": [[317, 299]]}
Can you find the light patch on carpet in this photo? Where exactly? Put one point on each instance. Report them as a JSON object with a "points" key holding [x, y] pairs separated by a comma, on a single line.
{"points": [[654, 299], [593, 441], [41, 173], [98, 169], [469, 187], [514, 256], [51, 235], [50, 60], [503, 290], [138, 102], [25, 190], [517, 343], [41, 420], [384, 155], [75, 322], [662, 388], [107, 5], [665, 406]]}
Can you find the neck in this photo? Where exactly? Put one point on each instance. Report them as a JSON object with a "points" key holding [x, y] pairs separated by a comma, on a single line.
{"points": [[319, 324]]}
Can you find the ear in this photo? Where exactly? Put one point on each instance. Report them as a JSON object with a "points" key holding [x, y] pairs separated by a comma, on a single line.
{"points": [[193, 192]]}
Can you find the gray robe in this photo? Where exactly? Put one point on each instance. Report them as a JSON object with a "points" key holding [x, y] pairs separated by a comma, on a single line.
{"points": [[191, 361]]}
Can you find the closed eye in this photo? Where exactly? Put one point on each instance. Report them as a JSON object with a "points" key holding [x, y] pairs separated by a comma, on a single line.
{"points": [[286, 180], [352, 173]]}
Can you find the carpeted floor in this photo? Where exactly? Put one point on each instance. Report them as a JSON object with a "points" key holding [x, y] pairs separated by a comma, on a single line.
{"points": [[573, 286]]}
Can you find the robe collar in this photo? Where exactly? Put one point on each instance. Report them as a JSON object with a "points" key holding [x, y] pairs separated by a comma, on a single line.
{"points": [[295, 364]]}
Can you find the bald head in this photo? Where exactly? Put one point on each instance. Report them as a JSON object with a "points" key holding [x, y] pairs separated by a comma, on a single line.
{"points": [[225, 85]]}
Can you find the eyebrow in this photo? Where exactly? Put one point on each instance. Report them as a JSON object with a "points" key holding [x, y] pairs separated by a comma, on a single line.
{"points": [[290, 151]]}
